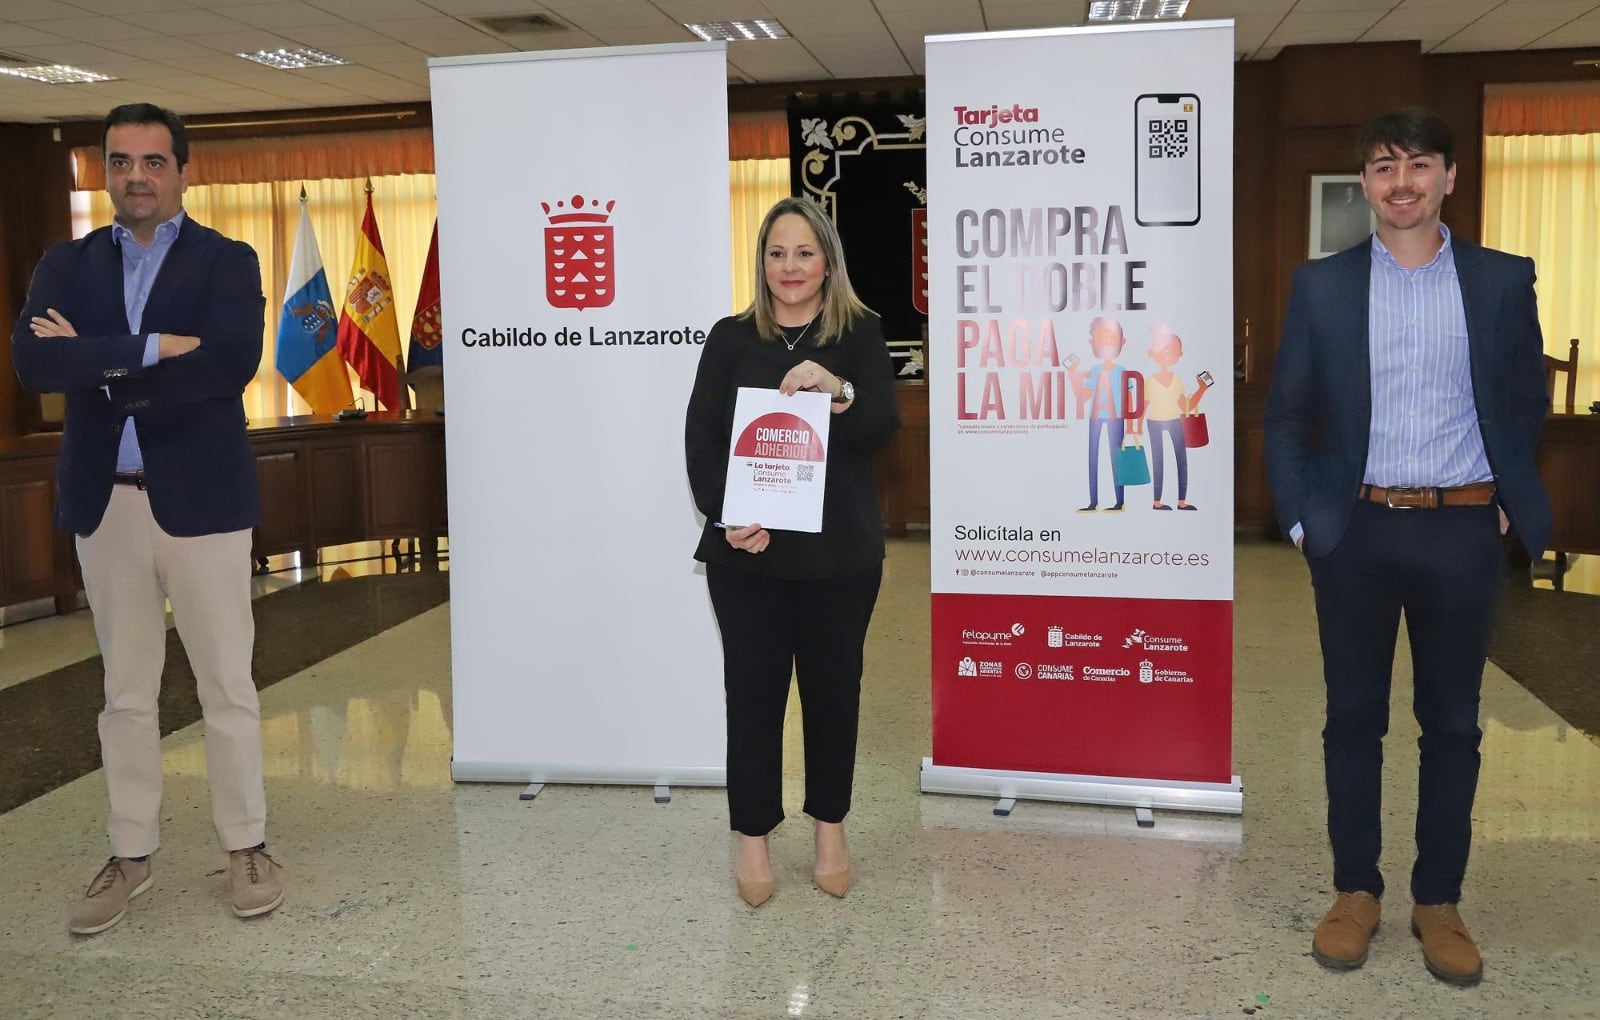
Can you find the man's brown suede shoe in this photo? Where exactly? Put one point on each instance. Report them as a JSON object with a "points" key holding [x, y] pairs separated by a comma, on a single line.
{"points": [[1340, 942], [1447, 949]]}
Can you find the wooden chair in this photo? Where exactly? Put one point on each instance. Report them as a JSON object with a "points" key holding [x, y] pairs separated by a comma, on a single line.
{"points": [[1569, 365]]}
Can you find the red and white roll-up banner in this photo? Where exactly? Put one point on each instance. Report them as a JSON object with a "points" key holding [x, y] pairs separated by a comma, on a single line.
{"points": [[584, 255], [1080, 366]]}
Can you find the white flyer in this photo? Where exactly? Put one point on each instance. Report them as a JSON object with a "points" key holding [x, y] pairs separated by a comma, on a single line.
{"points": [[778, 460]]}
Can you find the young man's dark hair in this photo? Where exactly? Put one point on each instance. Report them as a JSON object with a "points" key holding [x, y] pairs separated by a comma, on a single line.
{"points": [[1411, 131], [149, 113]]}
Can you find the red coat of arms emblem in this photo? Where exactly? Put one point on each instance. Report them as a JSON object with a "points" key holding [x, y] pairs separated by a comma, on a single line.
{"points": [[919, 259], [579, 264]]}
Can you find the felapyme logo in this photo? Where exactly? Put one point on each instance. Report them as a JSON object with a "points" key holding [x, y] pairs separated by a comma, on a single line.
{"points": [[579, 261], [1002, 638]]}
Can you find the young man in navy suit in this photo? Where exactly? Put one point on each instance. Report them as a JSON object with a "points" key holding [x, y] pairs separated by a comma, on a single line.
{"points": [[1401, 425], [152, 328]]}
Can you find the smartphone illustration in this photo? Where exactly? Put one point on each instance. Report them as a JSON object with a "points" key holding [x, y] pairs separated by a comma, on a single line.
{"points": [[1205, 377], [1166, 160]]}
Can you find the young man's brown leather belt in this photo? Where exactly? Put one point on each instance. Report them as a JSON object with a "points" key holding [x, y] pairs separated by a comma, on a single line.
{"points": [[1411, 498], [133, 478]]}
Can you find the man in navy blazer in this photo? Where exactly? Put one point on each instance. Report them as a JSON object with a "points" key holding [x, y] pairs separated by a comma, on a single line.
{"points": [[152, 327], [1401, 425]]}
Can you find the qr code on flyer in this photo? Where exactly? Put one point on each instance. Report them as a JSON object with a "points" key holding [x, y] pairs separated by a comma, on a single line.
{"points": [[803, 472], [1169, 139]]}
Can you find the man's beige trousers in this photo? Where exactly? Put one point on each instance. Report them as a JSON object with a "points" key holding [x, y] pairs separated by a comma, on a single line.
{"points": [[131, 568]]}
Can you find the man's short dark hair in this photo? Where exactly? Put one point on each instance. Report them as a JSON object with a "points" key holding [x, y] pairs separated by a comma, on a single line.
{"points": [[149, 113], [1411, 131]]}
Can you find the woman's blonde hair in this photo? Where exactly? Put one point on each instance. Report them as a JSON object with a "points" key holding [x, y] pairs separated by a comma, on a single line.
{"points": [[840, 305]]}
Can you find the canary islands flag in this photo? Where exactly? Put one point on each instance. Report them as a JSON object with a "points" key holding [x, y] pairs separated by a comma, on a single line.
{"points": [[308, 349], [369, 332]]}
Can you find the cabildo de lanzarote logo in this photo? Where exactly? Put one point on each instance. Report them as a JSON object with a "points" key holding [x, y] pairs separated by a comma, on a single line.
{"points": [[579, 262]]}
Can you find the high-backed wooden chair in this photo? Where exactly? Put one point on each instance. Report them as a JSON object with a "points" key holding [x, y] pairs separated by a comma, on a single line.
{"points": [[1569, 365]]}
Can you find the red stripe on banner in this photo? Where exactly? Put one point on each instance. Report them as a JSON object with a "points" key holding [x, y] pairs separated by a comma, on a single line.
{"points": [[1123, 687], [376, 372]]}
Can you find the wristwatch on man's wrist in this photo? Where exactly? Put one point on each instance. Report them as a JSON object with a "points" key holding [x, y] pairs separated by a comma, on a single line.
{"points": [[847, 392]]}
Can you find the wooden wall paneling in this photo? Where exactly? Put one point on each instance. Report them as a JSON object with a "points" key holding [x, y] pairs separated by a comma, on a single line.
{"points": [[338, 491], [35, 212], [394, 477], [29, 564], [1346, 83], [285, 508]]}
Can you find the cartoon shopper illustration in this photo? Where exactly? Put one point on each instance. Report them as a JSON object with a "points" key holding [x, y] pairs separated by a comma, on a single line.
{"points": [[1102, 388], [1167, 405]]}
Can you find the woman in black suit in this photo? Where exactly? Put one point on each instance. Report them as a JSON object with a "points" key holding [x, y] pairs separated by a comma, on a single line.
{"points": [[790, 601]]}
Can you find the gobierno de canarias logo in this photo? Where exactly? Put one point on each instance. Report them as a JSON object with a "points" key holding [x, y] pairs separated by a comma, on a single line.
{"points": [[780, 436], [579, 263]]}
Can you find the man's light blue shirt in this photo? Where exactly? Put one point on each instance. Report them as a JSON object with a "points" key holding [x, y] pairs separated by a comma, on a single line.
{"points": [[1424, 420], [140, 266]]}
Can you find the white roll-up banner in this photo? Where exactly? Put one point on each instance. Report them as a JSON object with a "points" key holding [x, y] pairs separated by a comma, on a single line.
{"points": [[584, 255]]}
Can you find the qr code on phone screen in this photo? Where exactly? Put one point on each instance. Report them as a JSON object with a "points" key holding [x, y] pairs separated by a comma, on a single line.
{"points": [[802, 472], [1169, 139]]}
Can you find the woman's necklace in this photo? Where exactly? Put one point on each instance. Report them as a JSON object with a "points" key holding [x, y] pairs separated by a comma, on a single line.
{"points": [[792, 344]]}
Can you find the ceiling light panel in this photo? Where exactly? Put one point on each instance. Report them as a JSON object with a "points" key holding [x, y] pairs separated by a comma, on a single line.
{"points": [[56, 74], [294, 59], [737, 31], [1137, 10]]}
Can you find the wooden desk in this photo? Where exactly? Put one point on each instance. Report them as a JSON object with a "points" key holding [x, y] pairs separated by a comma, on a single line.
{"points": [[1569, 463], [323, 482]]}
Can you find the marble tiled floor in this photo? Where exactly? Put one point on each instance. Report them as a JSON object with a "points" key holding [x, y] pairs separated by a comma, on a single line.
{"points": [[411, 897]]}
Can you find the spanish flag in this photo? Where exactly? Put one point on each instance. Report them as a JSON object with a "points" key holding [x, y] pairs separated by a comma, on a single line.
{"points": [[308, 354], [369, 334]]}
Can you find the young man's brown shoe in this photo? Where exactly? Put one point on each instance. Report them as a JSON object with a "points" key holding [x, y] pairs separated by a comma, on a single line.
{"points": [[1447, 949], [1340, 941]]}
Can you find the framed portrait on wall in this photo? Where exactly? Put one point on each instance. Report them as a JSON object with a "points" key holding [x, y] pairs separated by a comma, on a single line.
{"points": [[1340, 215]]}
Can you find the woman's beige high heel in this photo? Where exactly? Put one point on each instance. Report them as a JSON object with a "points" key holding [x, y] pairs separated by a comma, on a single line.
{"points": [[754, 891], [836, 882]]}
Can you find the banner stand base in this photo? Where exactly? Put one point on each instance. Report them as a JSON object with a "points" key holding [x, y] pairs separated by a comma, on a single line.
{"points": [[535, 776], [1143, 795]]}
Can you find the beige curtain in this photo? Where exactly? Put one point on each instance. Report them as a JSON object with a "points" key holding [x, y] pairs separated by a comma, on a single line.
{"points": [[754, 185], [1541, 198], [266, 216]]}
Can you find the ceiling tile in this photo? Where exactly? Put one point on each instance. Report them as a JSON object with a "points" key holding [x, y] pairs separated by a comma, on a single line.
{"points": [[159, 47], [641, 35], [616, 16], [184, 23], [17, 36], [93, 29], [373, 13], [130, 6], [429, 29], [1560, 11], [78, 54], [331, 39], [284, 15], [39, 10], [907, 25]]}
